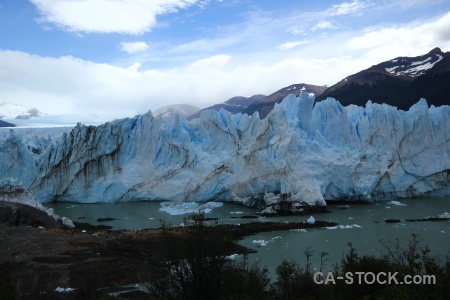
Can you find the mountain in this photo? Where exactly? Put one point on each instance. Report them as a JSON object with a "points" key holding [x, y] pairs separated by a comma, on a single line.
{"points": [[266, 104], [233, 105], [169, 112], [6, 124], [303, 151], [15, 111], [400, 82], [433, 86]]}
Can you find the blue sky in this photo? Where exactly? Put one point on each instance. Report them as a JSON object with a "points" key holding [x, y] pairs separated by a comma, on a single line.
{"points": [[124, 57]]}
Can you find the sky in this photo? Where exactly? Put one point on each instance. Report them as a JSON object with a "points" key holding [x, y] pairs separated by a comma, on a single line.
{"points": [[125, 57]]}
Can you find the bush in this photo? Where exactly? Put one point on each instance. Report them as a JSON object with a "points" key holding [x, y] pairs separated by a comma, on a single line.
{"points": [[412, 260], [7, 290], [295, 282], [198, 266]]}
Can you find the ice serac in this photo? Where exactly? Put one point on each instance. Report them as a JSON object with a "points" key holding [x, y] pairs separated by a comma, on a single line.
{"points": [[300, 152]]}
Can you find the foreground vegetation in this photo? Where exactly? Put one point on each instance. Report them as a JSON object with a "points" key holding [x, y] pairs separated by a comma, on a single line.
{"points": [[192, 262], [197, 268]]}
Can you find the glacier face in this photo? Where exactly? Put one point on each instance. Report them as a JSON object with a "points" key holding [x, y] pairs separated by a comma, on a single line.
{"points": [[305, 152]]}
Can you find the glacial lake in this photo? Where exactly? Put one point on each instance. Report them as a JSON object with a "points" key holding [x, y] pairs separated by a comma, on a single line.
{"points": [[361, 224]]}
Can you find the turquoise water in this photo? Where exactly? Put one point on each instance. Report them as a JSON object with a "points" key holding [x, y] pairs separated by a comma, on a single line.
{"points": [[363, 226], [365, 236]]}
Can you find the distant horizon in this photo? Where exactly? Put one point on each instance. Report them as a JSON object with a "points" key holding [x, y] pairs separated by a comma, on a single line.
{"points": [[125, 58]]}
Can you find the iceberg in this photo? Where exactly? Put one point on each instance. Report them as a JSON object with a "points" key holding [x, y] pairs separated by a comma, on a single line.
{"points": [[304, 152], [311, 220]]}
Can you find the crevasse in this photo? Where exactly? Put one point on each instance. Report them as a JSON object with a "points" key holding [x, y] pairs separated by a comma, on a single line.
{"points": [[308, 152]]}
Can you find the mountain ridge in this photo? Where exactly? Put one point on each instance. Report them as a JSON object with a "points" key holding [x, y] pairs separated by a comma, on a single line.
{"points": [[394, 82], [16, 111], [266, 104], [234, 105]]}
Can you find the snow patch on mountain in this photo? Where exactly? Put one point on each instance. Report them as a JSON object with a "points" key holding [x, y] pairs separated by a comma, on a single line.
{"points": [[414, 68]]}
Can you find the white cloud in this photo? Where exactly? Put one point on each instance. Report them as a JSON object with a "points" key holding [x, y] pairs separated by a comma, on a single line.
{"points": [[133, 47], [346, 8], [71, 85], [324, 25], [290, 45], [296, 30], [405, 40], [107, 16]]}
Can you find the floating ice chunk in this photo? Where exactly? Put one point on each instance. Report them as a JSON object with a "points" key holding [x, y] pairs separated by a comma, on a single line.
{"points": [[344, 226], [445, 215], [213, 204], [181, 208], [64, 290], [261, 243], [397, 203], [311, 220], [232, 256], [298, 230]]}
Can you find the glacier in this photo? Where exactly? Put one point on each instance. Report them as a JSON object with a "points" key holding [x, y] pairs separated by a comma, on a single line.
{"points": [[303, 152]]}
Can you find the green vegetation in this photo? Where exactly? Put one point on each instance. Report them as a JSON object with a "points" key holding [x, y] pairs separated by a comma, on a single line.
{"points": [[197, 268]]}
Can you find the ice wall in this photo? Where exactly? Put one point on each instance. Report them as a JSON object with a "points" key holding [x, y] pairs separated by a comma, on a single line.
{"points": [[302, 151]]}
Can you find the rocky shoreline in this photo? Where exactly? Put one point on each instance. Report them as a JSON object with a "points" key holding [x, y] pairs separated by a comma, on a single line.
{"points": [[40, 257]]}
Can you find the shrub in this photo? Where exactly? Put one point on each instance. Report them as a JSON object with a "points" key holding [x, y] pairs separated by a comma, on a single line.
{"points": [[198, 266]]}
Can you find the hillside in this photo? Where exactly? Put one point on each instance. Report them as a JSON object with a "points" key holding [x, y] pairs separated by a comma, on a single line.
{"points": [[400, 82]]}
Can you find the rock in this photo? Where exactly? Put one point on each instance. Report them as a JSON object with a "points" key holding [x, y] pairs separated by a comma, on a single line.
{"points": [[105, 219], [15, 214]]}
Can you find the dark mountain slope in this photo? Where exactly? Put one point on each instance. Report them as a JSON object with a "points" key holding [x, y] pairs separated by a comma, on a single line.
{"points": [[265, 105], [6, 124], [399, 82], [433, 86]]}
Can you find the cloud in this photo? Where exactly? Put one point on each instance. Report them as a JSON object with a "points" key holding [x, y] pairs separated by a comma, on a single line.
{"points": [[296, 30], [405, 40], [107, 16], [346, 8], [290, 45], [71, 85], [133, 47], [324, 25]]}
